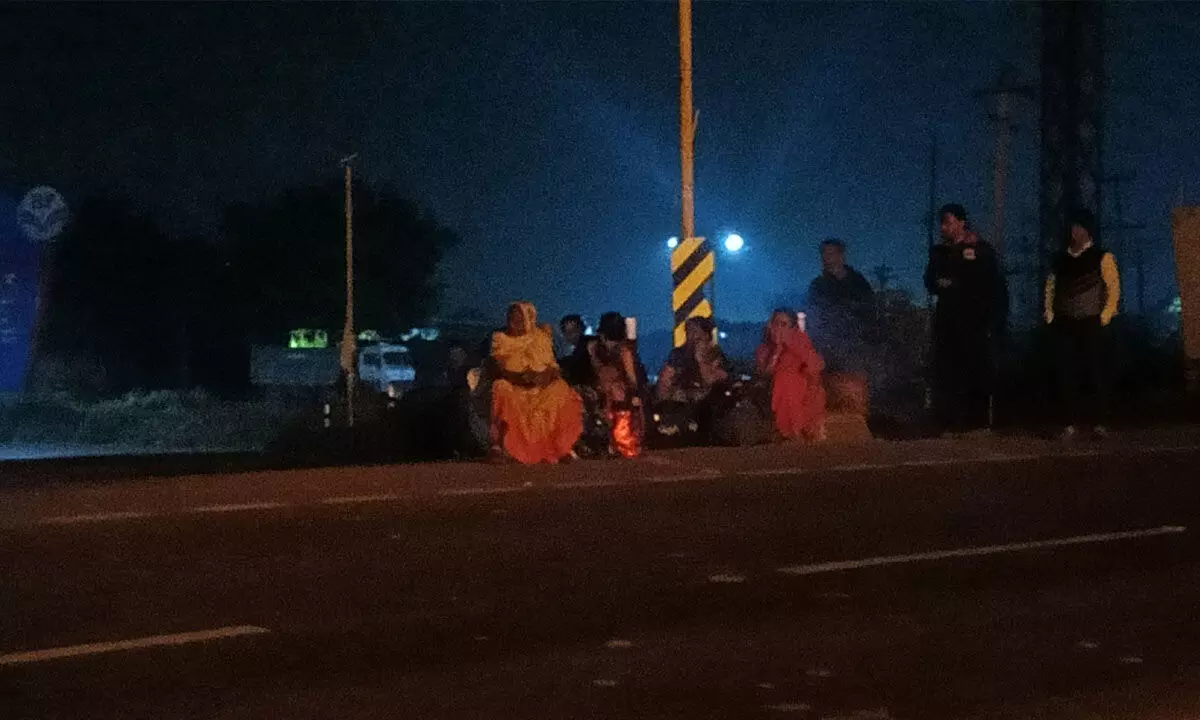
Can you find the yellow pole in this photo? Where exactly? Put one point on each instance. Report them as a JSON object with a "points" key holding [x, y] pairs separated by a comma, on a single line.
{"points": [[687, 128]]}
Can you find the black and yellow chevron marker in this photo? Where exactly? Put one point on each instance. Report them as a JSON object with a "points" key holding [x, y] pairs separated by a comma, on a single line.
{"points": [[692, 264]]}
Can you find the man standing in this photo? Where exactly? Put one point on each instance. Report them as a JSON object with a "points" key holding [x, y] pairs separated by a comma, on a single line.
{"points": [[972, 307], [840, 305], [1082, 293]]}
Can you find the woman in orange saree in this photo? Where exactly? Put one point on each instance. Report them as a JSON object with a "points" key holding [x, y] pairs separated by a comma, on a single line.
{"points": [[536, 416]]}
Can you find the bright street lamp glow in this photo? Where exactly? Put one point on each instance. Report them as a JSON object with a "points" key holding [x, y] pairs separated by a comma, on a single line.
{"points": [[672, 243], [734, 243]]}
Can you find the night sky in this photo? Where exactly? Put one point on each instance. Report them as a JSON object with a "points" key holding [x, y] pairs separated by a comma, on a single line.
{"points": [[546, 133]]}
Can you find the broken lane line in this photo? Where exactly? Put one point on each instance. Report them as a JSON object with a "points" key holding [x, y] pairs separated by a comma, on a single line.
{"points": [[70, 651], [238, 507], [585, 484], [481, 491], [818, 568], [355, 499], [691, 477], [91, 518], [817, 469]]}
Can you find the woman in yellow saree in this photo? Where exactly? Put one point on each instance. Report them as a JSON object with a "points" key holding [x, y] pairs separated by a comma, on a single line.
{"points": [[536, 416]]}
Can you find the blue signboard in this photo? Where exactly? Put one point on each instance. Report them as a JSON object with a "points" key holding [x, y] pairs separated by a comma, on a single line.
{"points": [[18, 296]]}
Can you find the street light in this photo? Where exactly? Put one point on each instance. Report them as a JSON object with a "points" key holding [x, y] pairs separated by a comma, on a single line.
{"points": [[732, 244], [672, 243]]}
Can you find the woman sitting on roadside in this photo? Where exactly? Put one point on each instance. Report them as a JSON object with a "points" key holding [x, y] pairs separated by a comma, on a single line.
{"points": [[692, 371], [618, 383], [786, 356], [536, 416]]}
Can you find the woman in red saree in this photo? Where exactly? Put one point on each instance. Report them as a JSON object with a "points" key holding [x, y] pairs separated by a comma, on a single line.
{"points": [[787, 357], [536, 416]]}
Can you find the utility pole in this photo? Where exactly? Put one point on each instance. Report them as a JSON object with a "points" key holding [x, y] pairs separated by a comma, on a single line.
{"points": [[1119, 228], [687, 137], [934, 220], [883, 277], [349, 340], [1003, 96], [1072, 90], [1034, 263], [687, 124]]}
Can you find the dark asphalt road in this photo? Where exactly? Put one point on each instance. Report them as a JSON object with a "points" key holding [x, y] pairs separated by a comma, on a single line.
{"points": [[656, 601]]}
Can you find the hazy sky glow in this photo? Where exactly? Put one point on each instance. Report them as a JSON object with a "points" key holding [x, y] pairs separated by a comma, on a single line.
{"points": [[546, 133]]}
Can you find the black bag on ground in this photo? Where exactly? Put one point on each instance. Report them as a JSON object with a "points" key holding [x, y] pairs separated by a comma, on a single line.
{"points": [[672, 425], [737, 416]]}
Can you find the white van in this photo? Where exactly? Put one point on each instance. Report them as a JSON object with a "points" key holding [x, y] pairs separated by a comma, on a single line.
{"points": [[387, 367]]}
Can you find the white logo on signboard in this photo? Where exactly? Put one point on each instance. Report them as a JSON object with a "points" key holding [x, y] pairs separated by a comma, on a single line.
{"points": [[42, 214]]}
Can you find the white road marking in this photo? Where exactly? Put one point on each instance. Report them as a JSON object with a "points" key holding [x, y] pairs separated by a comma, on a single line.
{"points": [[604, 682], [1018, 457], [577, 484], [689, 477], [71, 651], [91, 518], [1169, 449], [819, 673], [880, 714], [834, 596], [1131, 660], [658, 460], [827, 567], [618, 644], [354, 499], [942, 461], [482, 491], [770, 472], [859, 467], [239, 507], [938, 462], [788, 707], [1087, 645], [726, 578]]}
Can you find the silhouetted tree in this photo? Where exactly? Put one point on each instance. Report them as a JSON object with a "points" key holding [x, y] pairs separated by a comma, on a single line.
{"points": [[116, 308], [288, 258]]}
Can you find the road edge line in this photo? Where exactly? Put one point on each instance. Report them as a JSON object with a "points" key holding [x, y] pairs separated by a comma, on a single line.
{"points": [[71, 651]]}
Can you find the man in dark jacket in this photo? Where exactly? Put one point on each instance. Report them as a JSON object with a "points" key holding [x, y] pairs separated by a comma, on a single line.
{"points": [[573, 360], [972, 308], [841, 304]]}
